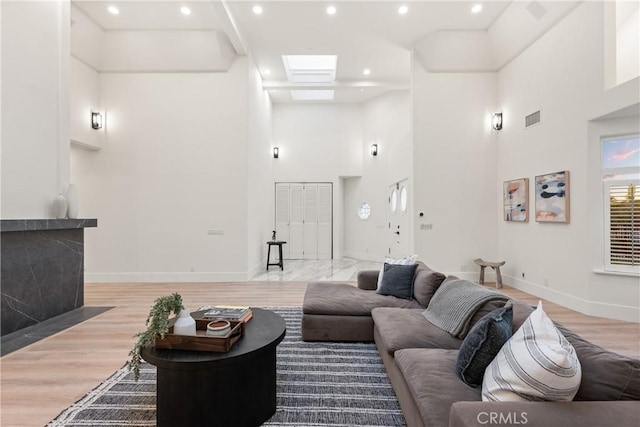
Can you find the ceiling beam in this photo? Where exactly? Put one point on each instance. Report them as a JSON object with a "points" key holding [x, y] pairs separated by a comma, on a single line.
{"points": [[230, 27], [339, 84]]}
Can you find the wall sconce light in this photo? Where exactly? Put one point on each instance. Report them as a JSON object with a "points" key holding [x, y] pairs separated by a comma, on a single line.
{"points": [[374, 149], [496, 122], [276, 152], [96, 120]]}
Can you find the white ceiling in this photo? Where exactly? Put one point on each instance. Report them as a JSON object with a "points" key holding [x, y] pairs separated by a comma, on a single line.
{"points": [[364, 34]]}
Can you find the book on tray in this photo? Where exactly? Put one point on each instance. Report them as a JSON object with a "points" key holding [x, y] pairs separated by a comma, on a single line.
{"points": [[241, 314]]}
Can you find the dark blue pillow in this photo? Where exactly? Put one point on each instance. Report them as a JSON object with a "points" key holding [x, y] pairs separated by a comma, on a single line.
{"points": [[397, 280], [482, 344]]}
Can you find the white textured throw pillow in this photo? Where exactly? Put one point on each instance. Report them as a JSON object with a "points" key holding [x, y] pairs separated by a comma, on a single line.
{"points": [[537, 363], [410, 260]]}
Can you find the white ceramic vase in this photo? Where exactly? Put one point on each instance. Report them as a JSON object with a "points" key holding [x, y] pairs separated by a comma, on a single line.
{"points": [[185, 324], [60, 206], [72, 201]]}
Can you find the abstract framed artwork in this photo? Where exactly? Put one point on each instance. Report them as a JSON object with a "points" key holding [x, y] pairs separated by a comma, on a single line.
{"points": [[552, 197], [515, 196]]}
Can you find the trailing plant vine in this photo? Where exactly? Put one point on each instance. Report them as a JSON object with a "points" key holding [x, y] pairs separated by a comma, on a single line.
{"points": [[157, 324]]}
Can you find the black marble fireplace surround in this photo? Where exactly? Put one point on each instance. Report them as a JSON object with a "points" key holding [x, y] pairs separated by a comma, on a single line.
{"points": [[42, 273]]}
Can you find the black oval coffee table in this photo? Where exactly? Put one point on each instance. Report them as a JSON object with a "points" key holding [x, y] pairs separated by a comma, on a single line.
{"points": [[237, 388]]}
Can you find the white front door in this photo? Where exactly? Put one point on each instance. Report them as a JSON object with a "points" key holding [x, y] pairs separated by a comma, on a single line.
{"points": [[399, 219]]}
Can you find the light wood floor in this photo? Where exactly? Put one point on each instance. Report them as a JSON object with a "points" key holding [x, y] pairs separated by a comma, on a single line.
{"points": [[41, 380]]}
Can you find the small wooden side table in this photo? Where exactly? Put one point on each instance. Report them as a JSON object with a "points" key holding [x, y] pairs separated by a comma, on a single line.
{"points": [[495, 265], [279, 243]]}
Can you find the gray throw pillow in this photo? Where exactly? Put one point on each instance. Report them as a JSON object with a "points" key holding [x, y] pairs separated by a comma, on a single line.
{"points": [[398, 280], [482, 344]]}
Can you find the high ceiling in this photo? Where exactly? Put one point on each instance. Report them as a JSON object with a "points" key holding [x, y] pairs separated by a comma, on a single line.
{"points": [[364, 34]]}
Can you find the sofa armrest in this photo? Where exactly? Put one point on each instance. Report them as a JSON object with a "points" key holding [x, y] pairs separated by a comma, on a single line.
{"points": [[368, 279], [544, 414]]}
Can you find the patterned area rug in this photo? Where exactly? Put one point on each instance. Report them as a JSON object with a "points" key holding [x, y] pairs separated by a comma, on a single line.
{"points": [[318, 384]]}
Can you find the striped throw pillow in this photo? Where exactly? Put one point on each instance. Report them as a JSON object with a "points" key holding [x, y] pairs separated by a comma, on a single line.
{"points": [[537, 363]]}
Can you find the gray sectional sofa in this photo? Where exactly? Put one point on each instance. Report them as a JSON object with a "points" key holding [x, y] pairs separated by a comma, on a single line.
{"points": [[420, 359]]}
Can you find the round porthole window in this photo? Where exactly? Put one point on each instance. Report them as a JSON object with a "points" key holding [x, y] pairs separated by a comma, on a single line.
{"points": [[364, 210], [393, 201], [403, 199]]}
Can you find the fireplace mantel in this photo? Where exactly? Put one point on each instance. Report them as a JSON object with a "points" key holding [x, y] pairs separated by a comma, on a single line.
{"points": [[42, 269]]}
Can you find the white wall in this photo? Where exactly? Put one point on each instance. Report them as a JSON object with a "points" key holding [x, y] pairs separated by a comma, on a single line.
{"points": [[627, 41], [562, 74], [260, 199], [386, 121], [35, 107], [173, 166], [454, 168], [318, 143]]}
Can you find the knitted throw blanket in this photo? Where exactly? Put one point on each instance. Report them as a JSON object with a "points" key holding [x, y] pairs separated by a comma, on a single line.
{"points": [[455, 303]]}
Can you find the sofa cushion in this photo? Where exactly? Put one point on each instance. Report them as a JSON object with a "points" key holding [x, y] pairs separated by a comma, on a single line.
{"points": [[433, 383], [605, 375], [410, 260], [398, 280], [482, 343], [426, 283], [347, 300], [400, 328], [537, 363], [521, 312]]}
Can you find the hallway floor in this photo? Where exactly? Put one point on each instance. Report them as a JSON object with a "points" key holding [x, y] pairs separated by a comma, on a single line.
{"points": [[317, 270]]}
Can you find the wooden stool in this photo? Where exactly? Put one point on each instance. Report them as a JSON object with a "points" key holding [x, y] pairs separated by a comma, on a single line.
{"points": [[279, 244], [495, 265]]}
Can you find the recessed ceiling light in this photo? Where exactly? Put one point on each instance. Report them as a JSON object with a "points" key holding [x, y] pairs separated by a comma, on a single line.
{"points": [[257, 9], [402, 10], [331, 10], [476, 8], [113, 10], [266, 72], [185, 10], [366, 71]]}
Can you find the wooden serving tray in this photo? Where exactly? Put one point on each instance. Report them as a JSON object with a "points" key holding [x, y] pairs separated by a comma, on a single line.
{"points": [[201, 341]]}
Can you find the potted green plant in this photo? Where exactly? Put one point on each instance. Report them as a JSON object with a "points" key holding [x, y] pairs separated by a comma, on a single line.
{"points": [[157, 324]]}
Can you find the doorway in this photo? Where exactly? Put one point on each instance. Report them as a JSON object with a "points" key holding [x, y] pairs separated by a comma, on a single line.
{"points": [[399, 233]]}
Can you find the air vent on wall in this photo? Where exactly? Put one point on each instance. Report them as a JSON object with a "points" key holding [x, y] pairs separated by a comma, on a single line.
{"points": [[532, 119]]}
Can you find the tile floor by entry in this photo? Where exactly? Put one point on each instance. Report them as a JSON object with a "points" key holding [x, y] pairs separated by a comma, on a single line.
{"points": [[320, 270]]}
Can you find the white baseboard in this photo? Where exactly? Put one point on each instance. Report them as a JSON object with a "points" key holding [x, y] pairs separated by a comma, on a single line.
{"points": [[584, 306], [179, 277], [363, 256], [471, 275]]}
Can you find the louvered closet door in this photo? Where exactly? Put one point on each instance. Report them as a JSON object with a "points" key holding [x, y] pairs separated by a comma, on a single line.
{"points": [[310, 221], [296, 222], [304, 220], [325, 219], [282, 218]]}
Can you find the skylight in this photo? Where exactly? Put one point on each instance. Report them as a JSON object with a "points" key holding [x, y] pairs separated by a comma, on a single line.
{"points": [[310, 68], [312, 95]]}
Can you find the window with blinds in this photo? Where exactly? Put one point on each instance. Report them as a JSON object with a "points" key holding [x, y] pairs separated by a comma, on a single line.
{"points": [[623, 226], [621, 197]]}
